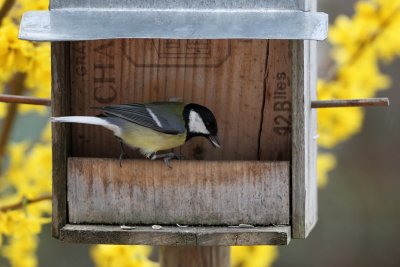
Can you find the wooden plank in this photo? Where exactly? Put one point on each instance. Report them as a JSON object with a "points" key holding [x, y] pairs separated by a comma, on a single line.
{"points": [[176, 236], [276, 128], [304, 176], [225, 75], [60, 133], [205, 256], [192, 192], [304, 185], [312, 185]]}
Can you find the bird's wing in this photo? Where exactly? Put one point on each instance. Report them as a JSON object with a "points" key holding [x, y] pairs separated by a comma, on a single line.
{"points": [[165, 117]]}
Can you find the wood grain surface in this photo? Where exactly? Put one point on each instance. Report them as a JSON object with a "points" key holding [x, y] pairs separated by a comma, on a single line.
{"points": [[248, 86], [60, 133], [276, 129], [174, 236], [191, 193], [304, 143], [236, 79]]}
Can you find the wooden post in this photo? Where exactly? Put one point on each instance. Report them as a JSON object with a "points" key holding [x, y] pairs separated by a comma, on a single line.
{"points": [[183, 256]]}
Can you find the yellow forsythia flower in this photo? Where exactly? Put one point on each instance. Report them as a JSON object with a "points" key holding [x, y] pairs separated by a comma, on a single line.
{"points": [[253, 256], [18, 56], [28, 176], [358, 45], [326, 163], [15, 55], [21, 251], [122, 256]]}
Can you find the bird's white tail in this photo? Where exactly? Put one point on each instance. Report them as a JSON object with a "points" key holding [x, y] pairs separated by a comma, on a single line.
{"points": [[81, 119], [88, 120]]}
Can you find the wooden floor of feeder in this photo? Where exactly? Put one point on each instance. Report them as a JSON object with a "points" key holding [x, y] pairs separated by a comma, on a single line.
{"points": [[173, 235]]}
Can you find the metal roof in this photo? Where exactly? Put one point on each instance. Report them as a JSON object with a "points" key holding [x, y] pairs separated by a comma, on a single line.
{"points": [[70, 20], [303, 5]]}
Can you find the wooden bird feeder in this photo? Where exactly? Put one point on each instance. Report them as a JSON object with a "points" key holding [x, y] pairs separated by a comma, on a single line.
{"points": [[251, 62]]}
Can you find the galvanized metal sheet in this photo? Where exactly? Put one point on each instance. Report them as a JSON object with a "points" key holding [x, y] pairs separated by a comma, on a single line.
{"points": [[182, 4], [73, 25]]}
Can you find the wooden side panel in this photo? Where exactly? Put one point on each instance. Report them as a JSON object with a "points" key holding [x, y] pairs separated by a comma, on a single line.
{"points": [[61, 134], [312, 200], [192, 192], [228, 76], [304, 176], [176, 236], [304, 180]]}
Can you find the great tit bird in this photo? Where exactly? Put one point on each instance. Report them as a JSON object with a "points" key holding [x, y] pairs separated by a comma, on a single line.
{"points": [[154, 126]]}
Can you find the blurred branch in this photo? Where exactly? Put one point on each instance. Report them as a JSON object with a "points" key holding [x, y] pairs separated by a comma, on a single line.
{"points": [[24, 202], [25, 100], [7, 6], [16, 88]]}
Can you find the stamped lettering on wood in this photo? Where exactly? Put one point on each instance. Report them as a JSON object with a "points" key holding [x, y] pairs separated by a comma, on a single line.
{"points": [[247, 84], [276, 138], [104, 75], [176, 53]]}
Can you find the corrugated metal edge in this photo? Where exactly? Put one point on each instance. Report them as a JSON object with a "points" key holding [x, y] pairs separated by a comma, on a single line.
{"points": [[75, 25], [169, 4]]}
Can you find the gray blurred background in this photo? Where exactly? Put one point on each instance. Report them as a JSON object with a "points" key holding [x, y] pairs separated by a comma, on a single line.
{"points": [[359, 211]]}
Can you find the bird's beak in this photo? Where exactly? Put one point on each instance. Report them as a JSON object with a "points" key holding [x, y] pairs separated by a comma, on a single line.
{"points": [[214, 141]]}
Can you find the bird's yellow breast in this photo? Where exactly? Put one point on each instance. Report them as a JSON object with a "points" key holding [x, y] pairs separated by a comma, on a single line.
{"points": [[150, 141]]}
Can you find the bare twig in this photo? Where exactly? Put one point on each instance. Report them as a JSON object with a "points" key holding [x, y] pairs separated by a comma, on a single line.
{"points": [[24, 202], [16, 88], [25, 100], [7, 6], [382, 102]]}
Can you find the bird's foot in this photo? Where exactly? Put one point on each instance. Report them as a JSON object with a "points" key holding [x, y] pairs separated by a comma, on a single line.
{"points": [[167, 157], [123, 154]]}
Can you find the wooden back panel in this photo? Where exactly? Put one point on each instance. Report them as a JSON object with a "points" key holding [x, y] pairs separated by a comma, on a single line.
{"points": [[246, 83]]}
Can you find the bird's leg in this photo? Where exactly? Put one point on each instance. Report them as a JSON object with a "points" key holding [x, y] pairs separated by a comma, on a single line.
{"points": [[123, 154], [166, 157]]}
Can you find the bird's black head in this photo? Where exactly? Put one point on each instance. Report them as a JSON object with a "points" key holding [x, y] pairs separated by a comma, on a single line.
{"points": [[200, 121]]}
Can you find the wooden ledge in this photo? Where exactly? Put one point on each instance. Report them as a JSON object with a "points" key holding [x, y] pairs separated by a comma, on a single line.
{"points": [[144, 192], [170, 235]]}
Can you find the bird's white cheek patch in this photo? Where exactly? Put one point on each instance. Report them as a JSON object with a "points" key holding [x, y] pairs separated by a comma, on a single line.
{"points": [[196, 124]]}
